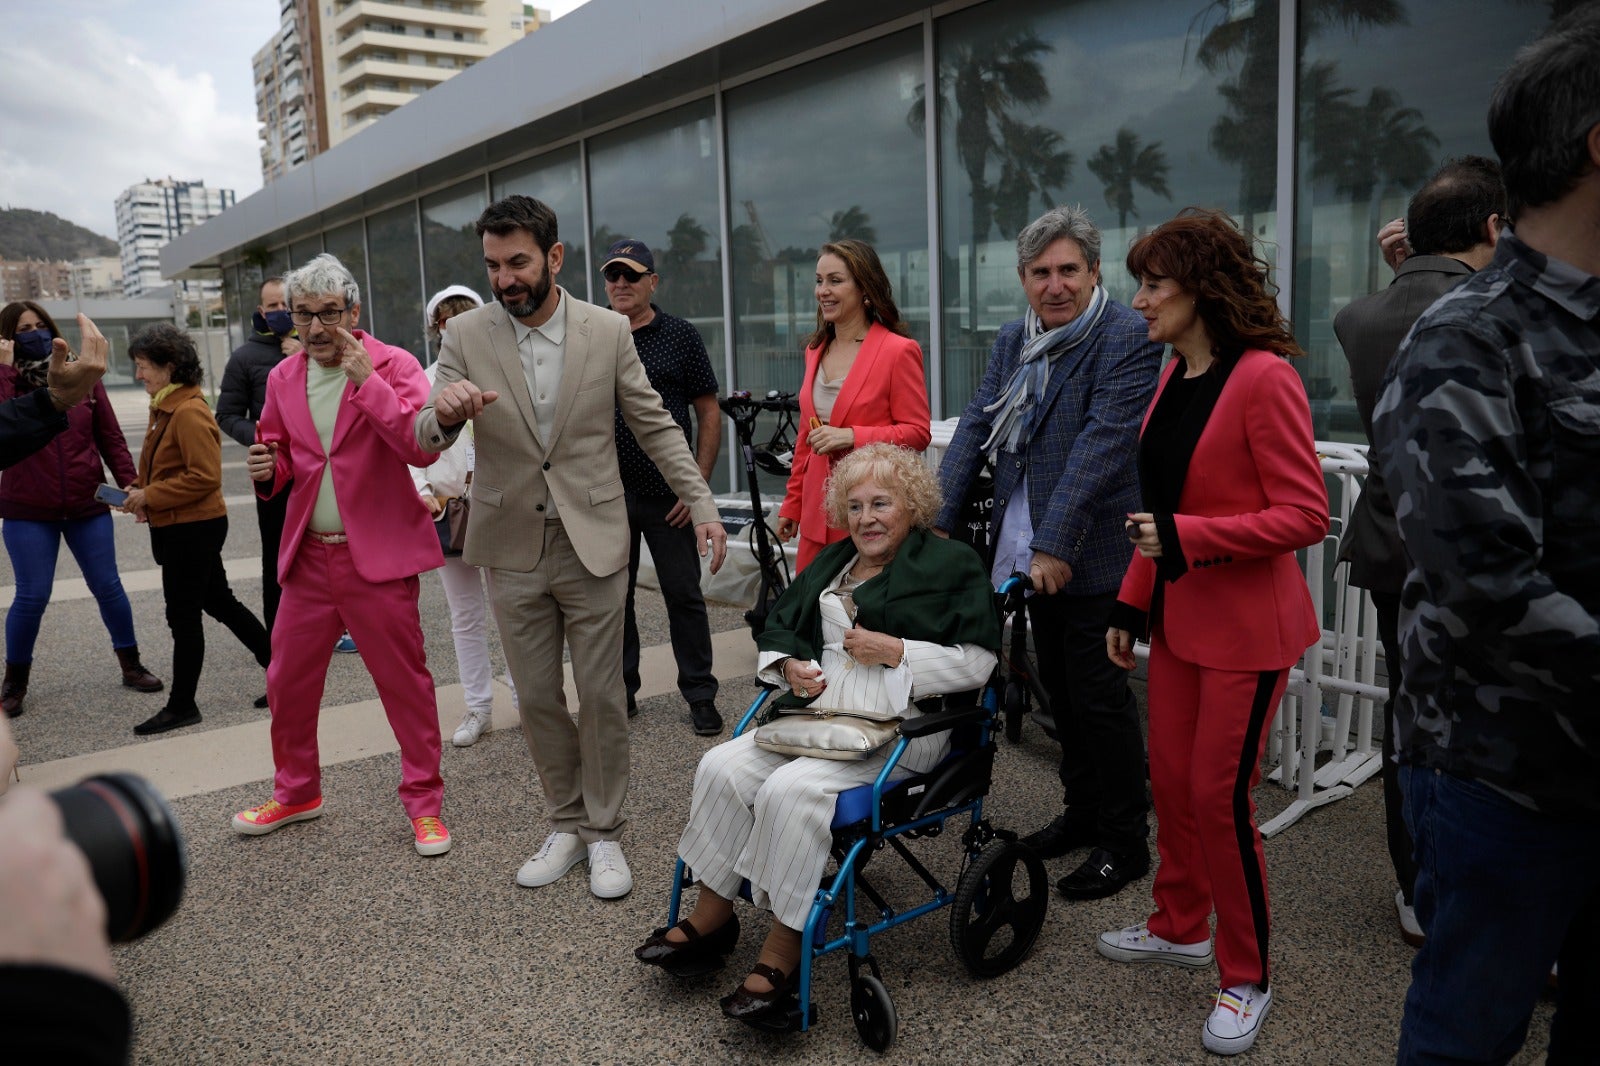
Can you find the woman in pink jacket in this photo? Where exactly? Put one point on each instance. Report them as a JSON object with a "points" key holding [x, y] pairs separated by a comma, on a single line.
{"points": [[863, 385]]}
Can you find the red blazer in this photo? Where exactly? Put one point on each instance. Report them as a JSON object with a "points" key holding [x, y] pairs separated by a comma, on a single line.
{"points": [[1253, 494], [884, 398], [391, 533]]}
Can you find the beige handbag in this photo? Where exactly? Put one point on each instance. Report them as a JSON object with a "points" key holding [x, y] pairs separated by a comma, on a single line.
{"points": [[827, 734]]}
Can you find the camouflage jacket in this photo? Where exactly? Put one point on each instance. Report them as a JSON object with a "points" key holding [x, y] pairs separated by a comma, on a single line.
{"points": [[1488, 428]]}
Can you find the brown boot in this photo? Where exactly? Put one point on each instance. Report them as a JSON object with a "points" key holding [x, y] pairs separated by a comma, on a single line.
{"points": [[134, 675], [15, 687]]}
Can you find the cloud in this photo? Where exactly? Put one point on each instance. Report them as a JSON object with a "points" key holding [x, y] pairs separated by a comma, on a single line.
{"points": [[87, 115]]}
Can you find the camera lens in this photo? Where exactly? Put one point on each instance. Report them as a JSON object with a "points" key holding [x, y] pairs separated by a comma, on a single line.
{"points": [[134, 846]]}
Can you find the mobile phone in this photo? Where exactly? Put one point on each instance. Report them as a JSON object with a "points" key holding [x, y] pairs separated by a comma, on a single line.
{"points": [[110, 494]]}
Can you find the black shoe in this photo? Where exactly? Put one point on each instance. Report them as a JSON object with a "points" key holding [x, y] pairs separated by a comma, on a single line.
{"points": [[1059, 837], [700, 954], [756, 1008], [707, 722], [165, 719], [633, 706], [260, 701], [1103, 874]]}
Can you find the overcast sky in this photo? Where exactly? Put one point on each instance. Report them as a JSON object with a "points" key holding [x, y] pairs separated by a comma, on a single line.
{"points": [[100, 94]]}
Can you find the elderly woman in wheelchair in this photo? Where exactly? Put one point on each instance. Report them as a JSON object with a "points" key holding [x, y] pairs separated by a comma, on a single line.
{"points": [[878, 621]]}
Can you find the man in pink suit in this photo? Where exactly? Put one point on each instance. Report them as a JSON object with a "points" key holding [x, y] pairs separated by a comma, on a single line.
{"points": [[336, 434]]}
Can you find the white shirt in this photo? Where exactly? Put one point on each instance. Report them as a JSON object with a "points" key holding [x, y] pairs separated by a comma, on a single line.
{"points": [[543, 350]]}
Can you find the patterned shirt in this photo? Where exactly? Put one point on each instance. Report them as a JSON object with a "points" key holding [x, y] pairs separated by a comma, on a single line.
{"points": [[1488, 428], [675, 360]]}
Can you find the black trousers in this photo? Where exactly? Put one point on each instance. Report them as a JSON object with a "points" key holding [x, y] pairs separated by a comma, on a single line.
{"points": [[1402, 851], [1097, 719], [270, 515], [678, 572], [193, 581]]}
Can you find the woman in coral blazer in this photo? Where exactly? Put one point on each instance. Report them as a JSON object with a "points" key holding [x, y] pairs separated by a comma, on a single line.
{"points": [[863, 385], [1232, 489]]}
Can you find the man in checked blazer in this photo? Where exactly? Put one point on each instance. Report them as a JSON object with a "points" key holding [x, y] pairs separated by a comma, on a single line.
{"points": [[540, 373], [1078, 372]]}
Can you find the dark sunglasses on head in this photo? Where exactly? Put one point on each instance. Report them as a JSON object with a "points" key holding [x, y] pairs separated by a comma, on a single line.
{"points": [[621, 273]]}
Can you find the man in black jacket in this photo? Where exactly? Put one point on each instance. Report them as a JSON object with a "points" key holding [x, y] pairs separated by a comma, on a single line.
{"points": [[1452, 224], [239, 403]]}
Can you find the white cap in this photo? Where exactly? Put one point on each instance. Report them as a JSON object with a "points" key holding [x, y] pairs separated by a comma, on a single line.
{"points": [[444, 294]]}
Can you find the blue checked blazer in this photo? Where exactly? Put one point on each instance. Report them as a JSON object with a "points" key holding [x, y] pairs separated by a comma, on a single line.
{"points": [[1082, 463]]}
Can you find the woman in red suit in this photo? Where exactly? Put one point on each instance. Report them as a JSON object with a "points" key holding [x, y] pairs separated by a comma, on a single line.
{"points": [[863, 384], [1232, 488]]}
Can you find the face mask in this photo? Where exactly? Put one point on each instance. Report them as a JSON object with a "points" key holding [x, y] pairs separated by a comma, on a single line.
{"points": [[34, 345], [280, 323]]}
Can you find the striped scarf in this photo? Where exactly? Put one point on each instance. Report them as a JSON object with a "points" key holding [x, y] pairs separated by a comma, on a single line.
{"points": [[1017, 409]]}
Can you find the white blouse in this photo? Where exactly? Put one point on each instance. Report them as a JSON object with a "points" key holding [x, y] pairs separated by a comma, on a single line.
{"points": [[928, 669]]}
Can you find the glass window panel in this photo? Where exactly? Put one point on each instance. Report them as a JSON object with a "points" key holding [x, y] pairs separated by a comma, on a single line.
{"points": [[824, 151], [452, 253], [395, 301], [1043, 102], [1371, 132], [557, 179], [656, 181], [276, 263], [348, 244], [303, 251], [233, 300]]}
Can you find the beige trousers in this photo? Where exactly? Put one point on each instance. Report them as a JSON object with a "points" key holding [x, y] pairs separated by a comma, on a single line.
{"points": [[582, 765]]}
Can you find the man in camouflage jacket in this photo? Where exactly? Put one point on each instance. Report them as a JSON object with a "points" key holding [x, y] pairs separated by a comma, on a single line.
{"points": [[1488, 430]]}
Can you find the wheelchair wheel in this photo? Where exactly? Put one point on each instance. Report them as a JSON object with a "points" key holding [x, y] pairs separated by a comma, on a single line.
{"points": [[874, 1012], [999, 908]]}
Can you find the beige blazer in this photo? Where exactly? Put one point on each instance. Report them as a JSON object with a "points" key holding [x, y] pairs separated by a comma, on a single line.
{"points": [[516, 476]]}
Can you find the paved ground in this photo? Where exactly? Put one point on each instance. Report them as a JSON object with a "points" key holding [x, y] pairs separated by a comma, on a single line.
{"points": [[333, 942]]}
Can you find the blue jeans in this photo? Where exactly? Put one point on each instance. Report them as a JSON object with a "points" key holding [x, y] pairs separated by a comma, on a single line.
{"points": [[1502, 893], [33, 547]]}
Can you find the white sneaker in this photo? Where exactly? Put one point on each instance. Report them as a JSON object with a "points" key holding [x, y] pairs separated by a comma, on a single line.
{"points": [[560, 853], [474, 724], [609, 877], [1410, 928], [1138, 944], [1236, 1019]]}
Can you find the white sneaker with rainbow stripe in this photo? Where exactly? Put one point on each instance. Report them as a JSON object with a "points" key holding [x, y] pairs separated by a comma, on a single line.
{"points": [[1236, 1019]]}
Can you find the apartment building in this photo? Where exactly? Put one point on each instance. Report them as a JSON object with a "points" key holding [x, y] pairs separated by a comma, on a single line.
{"points": [[287, 73], [149, 215]]}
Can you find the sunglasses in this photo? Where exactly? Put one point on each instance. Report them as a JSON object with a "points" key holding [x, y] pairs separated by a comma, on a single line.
{"points": [[619, 273]]}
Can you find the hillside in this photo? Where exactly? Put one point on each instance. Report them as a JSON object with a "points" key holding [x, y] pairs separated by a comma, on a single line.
{"points": [[26, 234]]}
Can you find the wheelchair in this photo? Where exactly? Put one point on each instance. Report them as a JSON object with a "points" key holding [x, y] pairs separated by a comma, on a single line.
{"points": [[1001, 895]]}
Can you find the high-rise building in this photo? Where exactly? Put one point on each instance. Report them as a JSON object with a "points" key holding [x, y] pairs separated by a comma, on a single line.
{"points": [[287, 102], [376, 57], [98, 277], [149, 215]]}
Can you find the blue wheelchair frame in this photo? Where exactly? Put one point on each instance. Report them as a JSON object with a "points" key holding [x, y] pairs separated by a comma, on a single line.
{"points": [[858, 833]]}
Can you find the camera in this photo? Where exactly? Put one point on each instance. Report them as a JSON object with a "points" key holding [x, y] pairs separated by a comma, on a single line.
{"points": [[134, 847]]}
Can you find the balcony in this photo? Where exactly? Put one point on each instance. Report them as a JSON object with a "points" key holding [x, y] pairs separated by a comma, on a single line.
{"points": [[418, 16], [371, 68], [402, 43], [388, 99]]}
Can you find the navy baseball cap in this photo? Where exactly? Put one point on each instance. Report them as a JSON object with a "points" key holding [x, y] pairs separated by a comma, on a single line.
{"points": [[631, 254]]}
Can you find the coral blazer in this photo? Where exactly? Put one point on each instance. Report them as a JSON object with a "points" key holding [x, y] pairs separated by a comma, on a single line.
{"points": [[391, 533], [1253, 494], [884, 398]]}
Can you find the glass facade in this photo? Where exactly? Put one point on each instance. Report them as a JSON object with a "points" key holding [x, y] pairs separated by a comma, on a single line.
{"points": [[822, 152], [303, 251], [1035, 102], [557, 179], [1043, 103], [1371, 132], [451, 251]]}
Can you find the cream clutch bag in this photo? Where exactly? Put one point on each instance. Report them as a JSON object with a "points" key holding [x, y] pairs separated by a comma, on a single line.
{"points": [[826, 734]]}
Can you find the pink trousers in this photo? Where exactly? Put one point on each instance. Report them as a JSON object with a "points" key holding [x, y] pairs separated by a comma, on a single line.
{"points": [[322, 596]]}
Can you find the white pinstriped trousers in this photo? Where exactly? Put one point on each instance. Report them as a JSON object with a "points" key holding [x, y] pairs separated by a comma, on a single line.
{"points": [[766, 817]]}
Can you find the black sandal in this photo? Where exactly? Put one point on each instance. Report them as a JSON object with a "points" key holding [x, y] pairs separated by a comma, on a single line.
{"points": [[701, 953], [747, 1005]]}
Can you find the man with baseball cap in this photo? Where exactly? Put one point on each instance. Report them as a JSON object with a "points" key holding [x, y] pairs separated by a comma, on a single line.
{"points": [[675, 360]]}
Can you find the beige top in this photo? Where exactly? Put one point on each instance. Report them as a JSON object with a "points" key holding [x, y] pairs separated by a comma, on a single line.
{"points": [[543, 350], [824, 393], [324, 391]]}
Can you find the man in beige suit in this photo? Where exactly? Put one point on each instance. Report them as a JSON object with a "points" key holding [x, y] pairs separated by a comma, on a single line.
{"points": [[539, 373]]}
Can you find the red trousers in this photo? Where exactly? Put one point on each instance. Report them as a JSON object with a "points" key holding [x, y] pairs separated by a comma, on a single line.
{"points": [[322, 596], [1208, 729]]}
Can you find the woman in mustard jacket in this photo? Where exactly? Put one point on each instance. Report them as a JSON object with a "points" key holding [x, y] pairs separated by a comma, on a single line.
{"points": [[179, 492], [863, 384]]}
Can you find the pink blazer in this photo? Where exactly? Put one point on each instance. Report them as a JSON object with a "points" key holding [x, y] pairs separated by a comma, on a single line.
{"points": [[1253, 496], [884, 398], [391, 533]]}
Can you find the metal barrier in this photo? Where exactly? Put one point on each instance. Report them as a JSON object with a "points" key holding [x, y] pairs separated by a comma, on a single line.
{"points": [[1341, 667]]}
